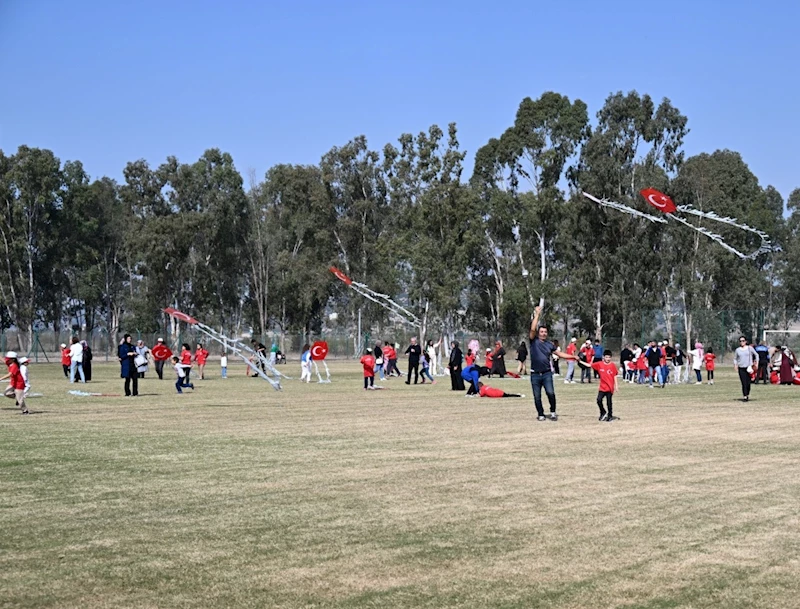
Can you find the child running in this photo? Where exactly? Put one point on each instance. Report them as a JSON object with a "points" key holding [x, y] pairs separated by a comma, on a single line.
{"points": [[180, 370], [368, 361], [16, 389], [609, 384], [423, 362]]}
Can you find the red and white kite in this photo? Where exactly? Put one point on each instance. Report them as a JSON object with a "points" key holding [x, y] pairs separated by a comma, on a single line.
{"points": [[383, 300], [319, 350], [665, 205]]}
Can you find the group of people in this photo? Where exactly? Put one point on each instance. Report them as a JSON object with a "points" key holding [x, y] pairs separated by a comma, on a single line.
{"points": [[76, 360], [134, 361]]}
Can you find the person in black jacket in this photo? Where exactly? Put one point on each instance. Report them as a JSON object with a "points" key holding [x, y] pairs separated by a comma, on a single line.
{"points": [[413, 352], [87, 361], [456, 358], [522, 358], [126, 354]]}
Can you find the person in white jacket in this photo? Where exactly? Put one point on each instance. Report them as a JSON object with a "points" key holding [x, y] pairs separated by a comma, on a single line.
{"points": [[305, 364], [23, 370], [76, 360]]}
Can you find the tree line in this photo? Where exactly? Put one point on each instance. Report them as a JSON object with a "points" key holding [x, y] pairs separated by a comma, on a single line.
{"points": [[463, 251]]}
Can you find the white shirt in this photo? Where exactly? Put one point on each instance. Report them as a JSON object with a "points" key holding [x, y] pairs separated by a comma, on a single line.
{"points": [[696, 359], [223, 361], [76, 353]]}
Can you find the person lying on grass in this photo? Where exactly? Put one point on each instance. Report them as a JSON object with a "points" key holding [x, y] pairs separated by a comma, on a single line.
{"points": [[492, 392]]}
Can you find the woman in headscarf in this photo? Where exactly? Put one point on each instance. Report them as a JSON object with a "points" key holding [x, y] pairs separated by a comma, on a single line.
{"points": [[126, 353], [499, 359], [87, 361], [456, 358], [787, 366]]}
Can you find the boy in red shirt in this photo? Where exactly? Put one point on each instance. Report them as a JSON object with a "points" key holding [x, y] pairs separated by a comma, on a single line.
{"points": [[492, 392], [710, 357], [608, 384], [368, 361], [17, 387]]}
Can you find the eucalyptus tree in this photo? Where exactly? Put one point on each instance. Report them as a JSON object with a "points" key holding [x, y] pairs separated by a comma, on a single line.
{"points": [[517, 177]]}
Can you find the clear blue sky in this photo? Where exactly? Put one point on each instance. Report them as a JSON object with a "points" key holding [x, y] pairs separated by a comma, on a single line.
{"points": [[282, 82]]}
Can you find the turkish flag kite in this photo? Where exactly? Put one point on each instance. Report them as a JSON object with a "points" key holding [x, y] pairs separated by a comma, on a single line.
{"points": [[319, 350], [659, 200], [340, 275], [180, 315]]}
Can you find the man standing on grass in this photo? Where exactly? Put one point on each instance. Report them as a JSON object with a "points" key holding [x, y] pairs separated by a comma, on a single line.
{"points": [[542, 350], [413, 352]]}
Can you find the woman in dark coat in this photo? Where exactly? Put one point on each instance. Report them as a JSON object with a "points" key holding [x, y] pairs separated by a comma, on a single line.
{"points": [[522, 358], [499, 360], [87, 361], [456, 357], [126, 354]]}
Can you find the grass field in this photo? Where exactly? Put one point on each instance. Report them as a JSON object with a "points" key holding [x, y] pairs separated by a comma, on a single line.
{"points": [[330, 496]]}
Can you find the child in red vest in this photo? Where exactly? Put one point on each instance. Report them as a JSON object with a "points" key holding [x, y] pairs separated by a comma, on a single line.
{"points": [[16, 389], [492, 392], [368, 361], [709, 358], [66, 360]]}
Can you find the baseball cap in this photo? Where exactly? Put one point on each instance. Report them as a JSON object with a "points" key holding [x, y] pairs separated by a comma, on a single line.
{"points": [[574, 340], [23, 360], [63, 346], [11, 355], [160, 340]]}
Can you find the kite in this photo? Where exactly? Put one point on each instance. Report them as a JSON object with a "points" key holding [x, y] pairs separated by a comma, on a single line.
{"points": [[666, 206], [318, 352], [382, 299], [245, 353]]}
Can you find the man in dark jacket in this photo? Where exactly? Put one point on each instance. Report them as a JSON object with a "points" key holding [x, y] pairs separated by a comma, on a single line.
{"points": [[413, 352]]}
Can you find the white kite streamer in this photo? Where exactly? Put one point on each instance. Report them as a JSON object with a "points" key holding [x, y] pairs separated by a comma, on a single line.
{"points": [[383, 300], [665, 205]]}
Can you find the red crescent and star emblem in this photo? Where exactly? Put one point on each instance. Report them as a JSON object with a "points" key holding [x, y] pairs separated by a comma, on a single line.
{"points": [[341, 276], [319, 350], [160, 352], [659, 200]]}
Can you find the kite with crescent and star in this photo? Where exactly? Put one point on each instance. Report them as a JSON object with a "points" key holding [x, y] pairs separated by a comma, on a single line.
{"points": [[319, 350], [250, 357], [666, 206]]}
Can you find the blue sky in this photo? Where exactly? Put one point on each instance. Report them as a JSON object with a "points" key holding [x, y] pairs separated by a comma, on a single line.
{"points": [[282, 82]]}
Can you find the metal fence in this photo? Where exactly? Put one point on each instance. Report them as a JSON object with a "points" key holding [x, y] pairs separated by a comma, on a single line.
{"points": [[715, 328]]}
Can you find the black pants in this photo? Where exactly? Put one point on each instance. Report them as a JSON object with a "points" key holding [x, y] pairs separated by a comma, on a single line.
{"points": [[369, 381], [763, 373], [456, 382], [160, 368], [66, 369], [710, 375], [135, 380], [473, 390], [744, 378], [608, 395], [415, 367], [594, 361]]}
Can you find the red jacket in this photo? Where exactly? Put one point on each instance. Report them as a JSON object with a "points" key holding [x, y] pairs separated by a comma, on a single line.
{"points": [[65, 358], [368, 362], [17, 382]]}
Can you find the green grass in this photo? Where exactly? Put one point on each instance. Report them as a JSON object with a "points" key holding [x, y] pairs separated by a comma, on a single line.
{"points": [[330, 496]]}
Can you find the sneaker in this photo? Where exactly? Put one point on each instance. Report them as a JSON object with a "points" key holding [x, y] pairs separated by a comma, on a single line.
{"points": [[566, 382], [603, 417], [408, 382], [553, 416], [25, 412], [541, 417], [609, 419], [522, 395]]}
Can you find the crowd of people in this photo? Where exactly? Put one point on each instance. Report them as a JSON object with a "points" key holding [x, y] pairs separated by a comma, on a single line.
{"points": [[654, 365]]}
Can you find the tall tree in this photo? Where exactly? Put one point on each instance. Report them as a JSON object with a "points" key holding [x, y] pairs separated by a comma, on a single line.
{"points": [[31, 189]]}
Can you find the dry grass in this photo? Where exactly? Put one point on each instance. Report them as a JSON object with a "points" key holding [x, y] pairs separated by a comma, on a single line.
{"points": [[330, 496]]}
